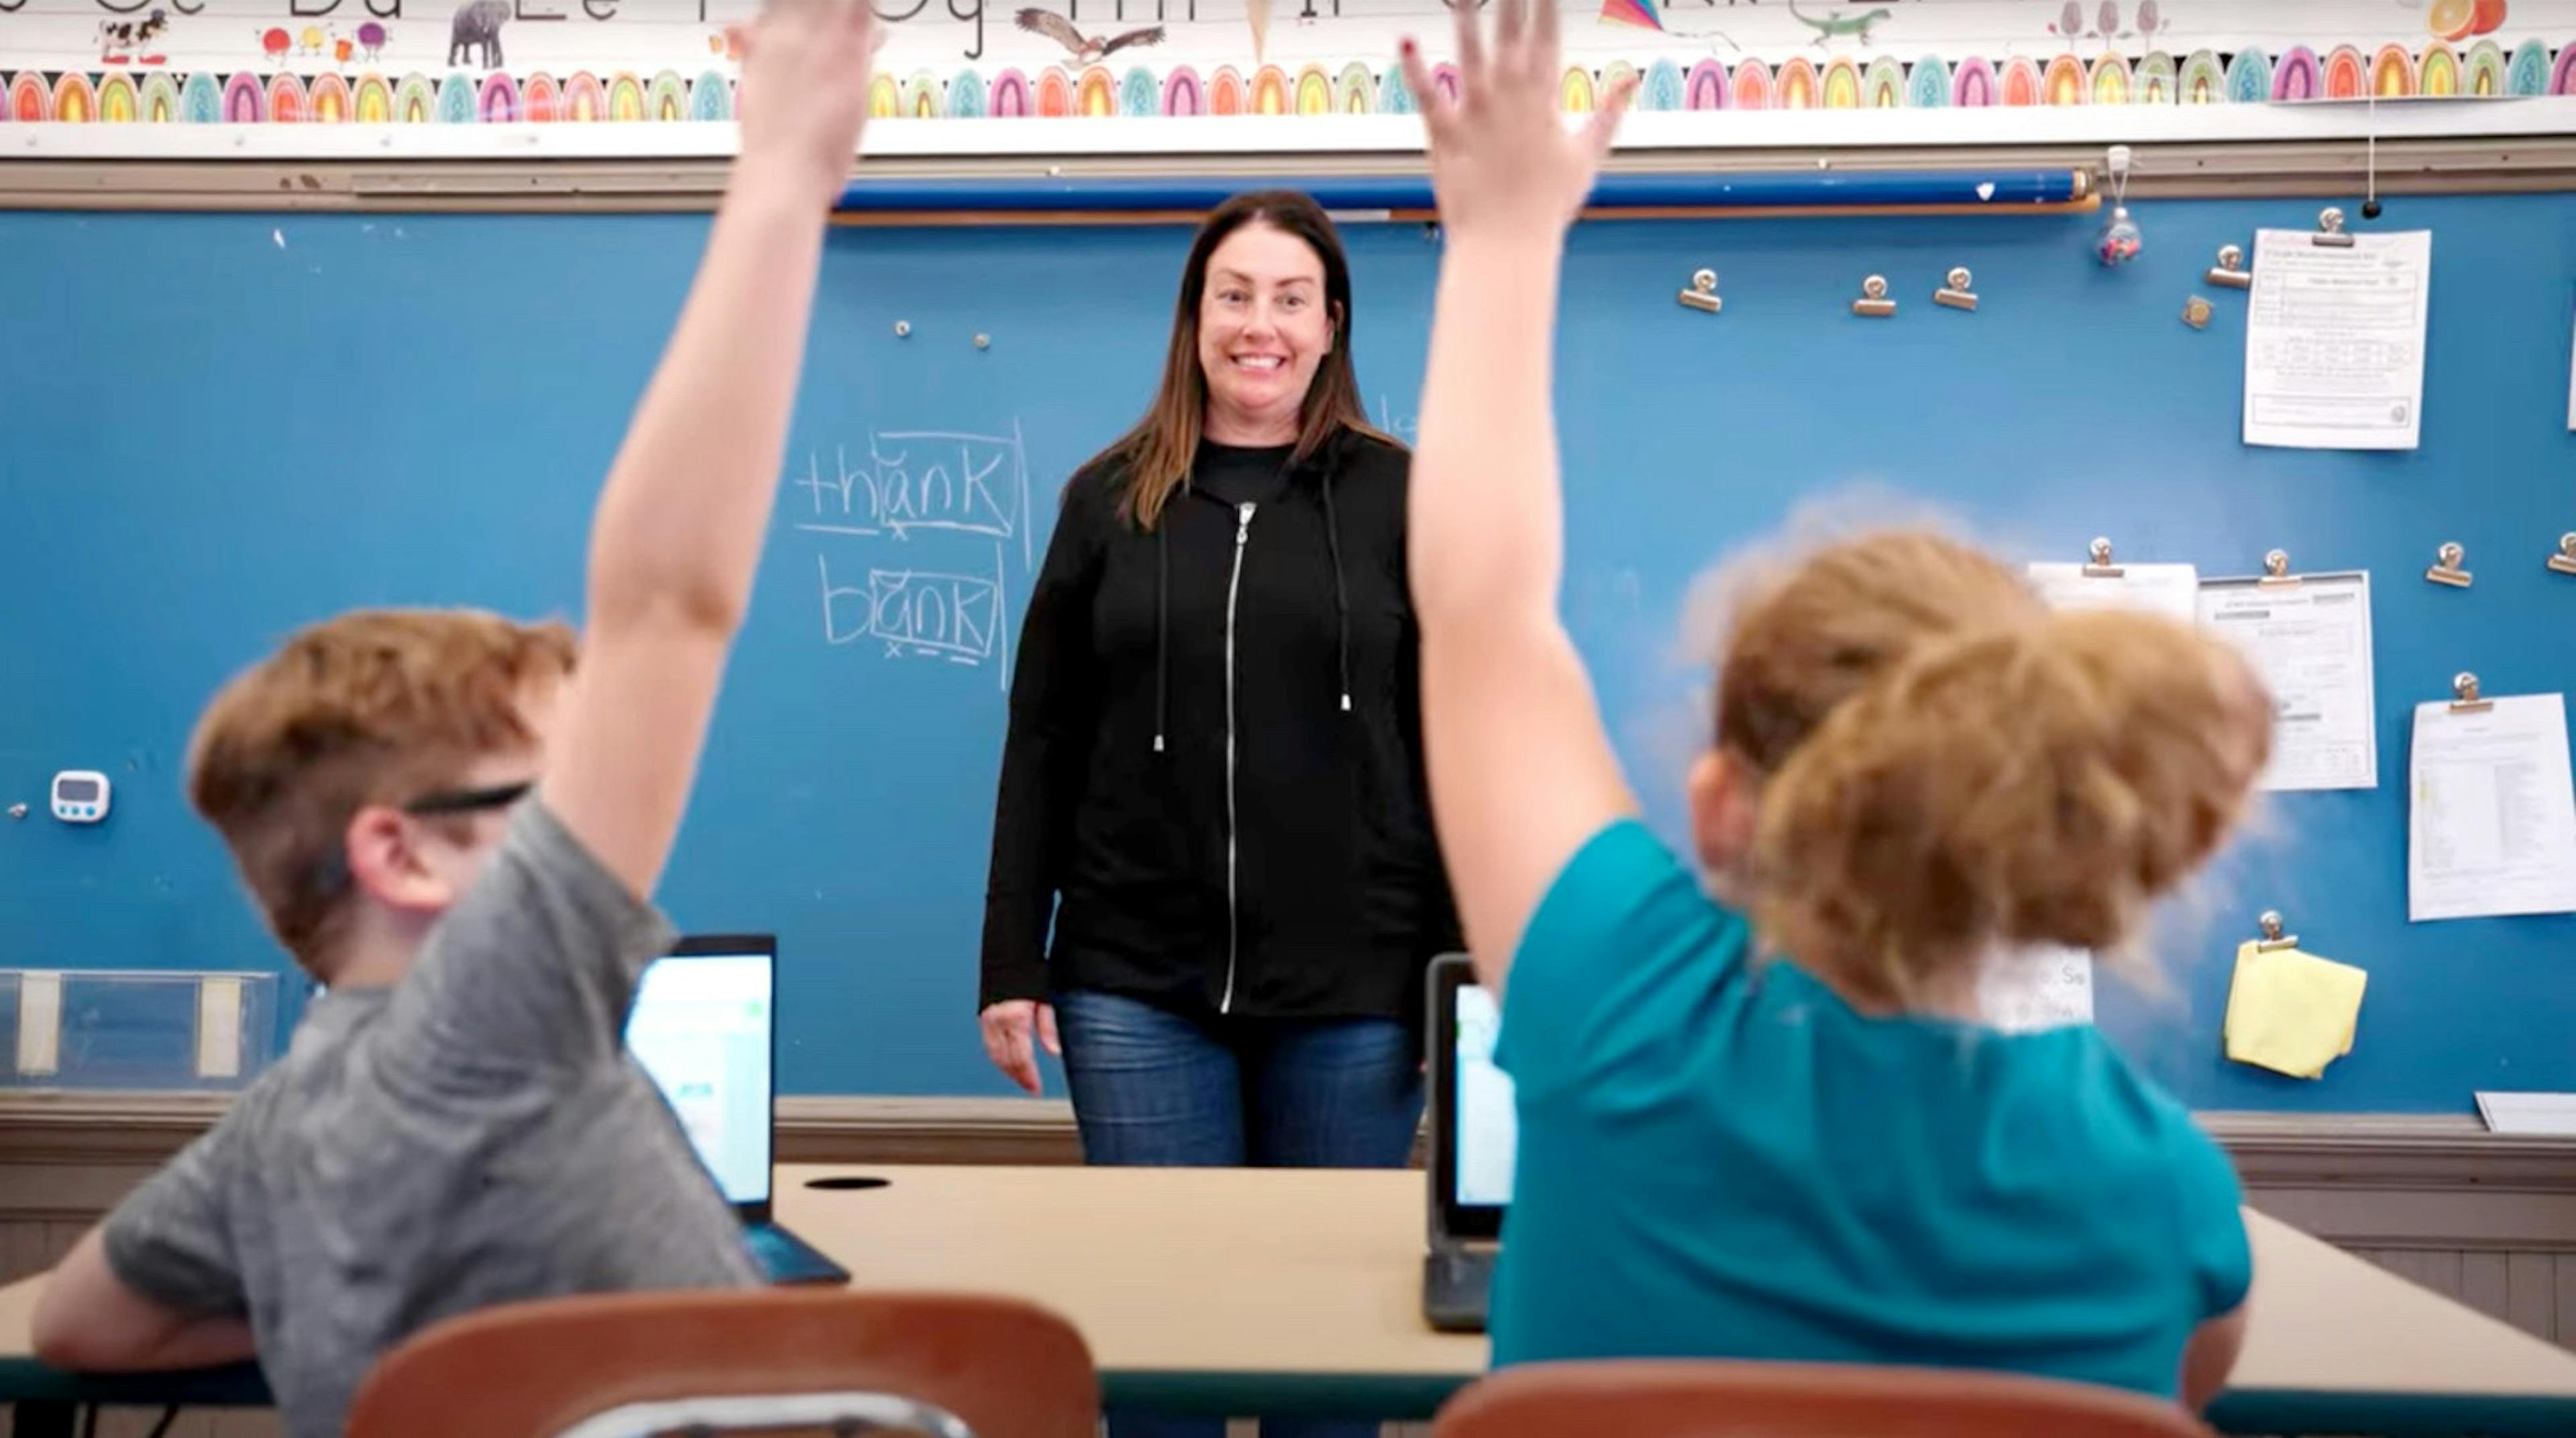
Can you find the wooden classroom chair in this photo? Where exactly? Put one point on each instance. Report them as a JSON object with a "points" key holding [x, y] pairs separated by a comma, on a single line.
{"points": [[1713, 1399], [771, 1361]]}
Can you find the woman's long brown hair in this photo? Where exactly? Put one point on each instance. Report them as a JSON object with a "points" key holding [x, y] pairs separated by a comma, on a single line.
{"points": [[1157, 454]]}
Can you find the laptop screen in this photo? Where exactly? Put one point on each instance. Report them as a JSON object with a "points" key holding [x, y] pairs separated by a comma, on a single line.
{"points": [[701, 1027], [1475, 1134], [1487, 1127]]}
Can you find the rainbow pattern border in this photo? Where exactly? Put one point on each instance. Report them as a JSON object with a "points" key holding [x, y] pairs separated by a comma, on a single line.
{"points": [[2343, 72]]}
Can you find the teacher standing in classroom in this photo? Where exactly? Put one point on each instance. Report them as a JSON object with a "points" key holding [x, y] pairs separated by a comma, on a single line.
{"points": [[1213, 779]]}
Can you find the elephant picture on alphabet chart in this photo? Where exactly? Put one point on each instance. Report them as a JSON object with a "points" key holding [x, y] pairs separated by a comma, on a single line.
{"points": [[477, 27]]}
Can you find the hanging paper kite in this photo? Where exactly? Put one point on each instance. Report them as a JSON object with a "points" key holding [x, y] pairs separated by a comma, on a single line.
{"points": [[1640, 13]]}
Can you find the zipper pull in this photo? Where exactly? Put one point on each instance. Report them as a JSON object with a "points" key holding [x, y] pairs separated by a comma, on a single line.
{"points": [[1243, 525]]}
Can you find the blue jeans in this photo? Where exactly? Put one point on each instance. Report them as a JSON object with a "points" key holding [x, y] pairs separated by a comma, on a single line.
{"points": [[1151, 1087]]}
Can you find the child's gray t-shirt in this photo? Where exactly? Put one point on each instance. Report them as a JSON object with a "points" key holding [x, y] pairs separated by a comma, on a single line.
{"points": [[474, 1135]]}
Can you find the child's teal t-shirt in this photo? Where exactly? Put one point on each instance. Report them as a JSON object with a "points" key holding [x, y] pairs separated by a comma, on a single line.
{"points": [[1723, 1159]]}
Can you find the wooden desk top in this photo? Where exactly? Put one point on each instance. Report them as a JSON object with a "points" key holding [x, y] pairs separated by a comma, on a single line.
{"points": [[1235, 1290], [1209, 1270]]}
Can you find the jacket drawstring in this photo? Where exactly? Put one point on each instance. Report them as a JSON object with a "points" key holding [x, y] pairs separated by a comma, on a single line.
{"points": [[1162, 629], [1341, 598]]}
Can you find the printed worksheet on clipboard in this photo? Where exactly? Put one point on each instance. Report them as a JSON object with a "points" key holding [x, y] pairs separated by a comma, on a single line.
{"points": [[2334, 339], [2309, 637], [2491, 823]]}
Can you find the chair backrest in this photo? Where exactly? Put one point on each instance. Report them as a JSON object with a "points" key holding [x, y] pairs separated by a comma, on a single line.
{"points": [[1708, 1399], [1005, 1368]]}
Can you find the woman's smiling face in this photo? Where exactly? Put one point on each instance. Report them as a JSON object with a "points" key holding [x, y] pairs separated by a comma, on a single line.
{"points": [[1264, 328]]}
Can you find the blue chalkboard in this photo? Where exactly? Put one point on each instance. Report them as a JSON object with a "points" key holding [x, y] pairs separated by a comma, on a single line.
{"points": [[213, 428]]}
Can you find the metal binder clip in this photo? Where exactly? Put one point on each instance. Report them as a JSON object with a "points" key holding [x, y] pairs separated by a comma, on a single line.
{"points": [[1956, 293], [2447, 570], [2196, 312], [2276, 571], [2330, 230], [1702, 294], [2564, 561], [2230, 271], [2099, 565], [2273, 940], [1873, 301], [2464, 691]]}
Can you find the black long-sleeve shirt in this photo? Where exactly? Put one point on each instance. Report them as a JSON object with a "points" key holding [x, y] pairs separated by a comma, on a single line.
{"points": [[1213, 779]]}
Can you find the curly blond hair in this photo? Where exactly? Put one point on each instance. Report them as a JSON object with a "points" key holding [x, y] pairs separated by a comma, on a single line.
{"points": [[1949, 766]]}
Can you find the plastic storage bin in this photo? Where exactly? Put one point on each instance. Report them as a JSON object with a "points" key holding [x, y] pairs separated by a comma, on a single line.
{"points": [[156, 1030]]}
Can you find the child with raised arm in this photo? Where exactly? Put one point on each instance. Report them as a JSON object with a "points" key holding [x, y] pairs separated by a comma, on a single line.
{"points": [[459, 837], [1781, 1130]]}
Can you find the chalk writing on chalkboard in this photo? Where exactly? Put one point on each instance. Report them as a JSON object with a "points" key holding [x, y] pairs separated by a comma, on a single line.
{"points": [[1403, 426], [914, 533], [916, 612], [921, 480]]}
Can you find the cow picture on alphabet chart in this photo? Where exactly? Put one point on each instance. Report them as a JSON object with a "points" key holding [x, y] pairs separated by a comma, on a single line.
{"points": [[122, 42]]}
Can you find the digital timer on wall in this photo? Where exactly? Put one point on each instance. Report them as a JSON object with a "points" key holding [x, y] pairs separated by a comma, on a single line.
{"points": [[80, 796]]}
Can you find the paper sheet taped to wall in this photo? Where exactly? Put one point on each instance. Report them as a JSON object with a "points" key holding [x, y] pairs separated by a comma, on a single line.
{"points": [[2172, 590], [2040, 988]]}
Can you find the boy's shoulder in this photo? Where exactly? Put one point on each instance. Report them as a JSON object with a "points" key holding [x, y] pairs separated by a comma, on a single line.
{"points": [[276, 1112], [250, 1122]]}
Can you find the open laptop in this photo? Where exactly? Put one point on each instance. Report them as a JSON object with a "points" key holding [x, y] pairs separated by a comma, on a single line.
{"points": [[705, 1026], [1473, 1137]]}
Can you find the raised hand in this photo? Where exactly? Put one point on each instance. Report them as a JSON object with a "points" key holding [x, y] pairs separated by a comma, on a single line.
{"points": [[1502, 157], [805, 70]]}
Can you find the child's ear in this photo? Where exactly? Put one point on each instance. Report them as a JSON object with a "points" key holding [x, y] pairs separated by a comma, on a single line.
{"points": [[387, 865], [1723, 791]]}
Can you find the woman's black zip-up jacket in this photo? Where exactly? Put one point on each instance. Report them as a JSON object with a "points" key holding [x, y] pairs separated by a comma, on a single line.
{"points": [[1213, 779]]}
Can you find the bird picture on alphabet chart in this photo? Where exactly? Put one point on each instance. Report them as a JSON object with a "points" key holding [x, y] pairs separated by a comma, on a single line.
{"points": [[919, 540], [1085, 47]]}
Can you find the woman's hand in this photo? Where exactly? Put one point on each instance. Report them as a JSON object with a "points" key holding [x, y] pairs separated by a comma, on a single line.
{"points": [[1013, 1029], [1502, 159]]}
